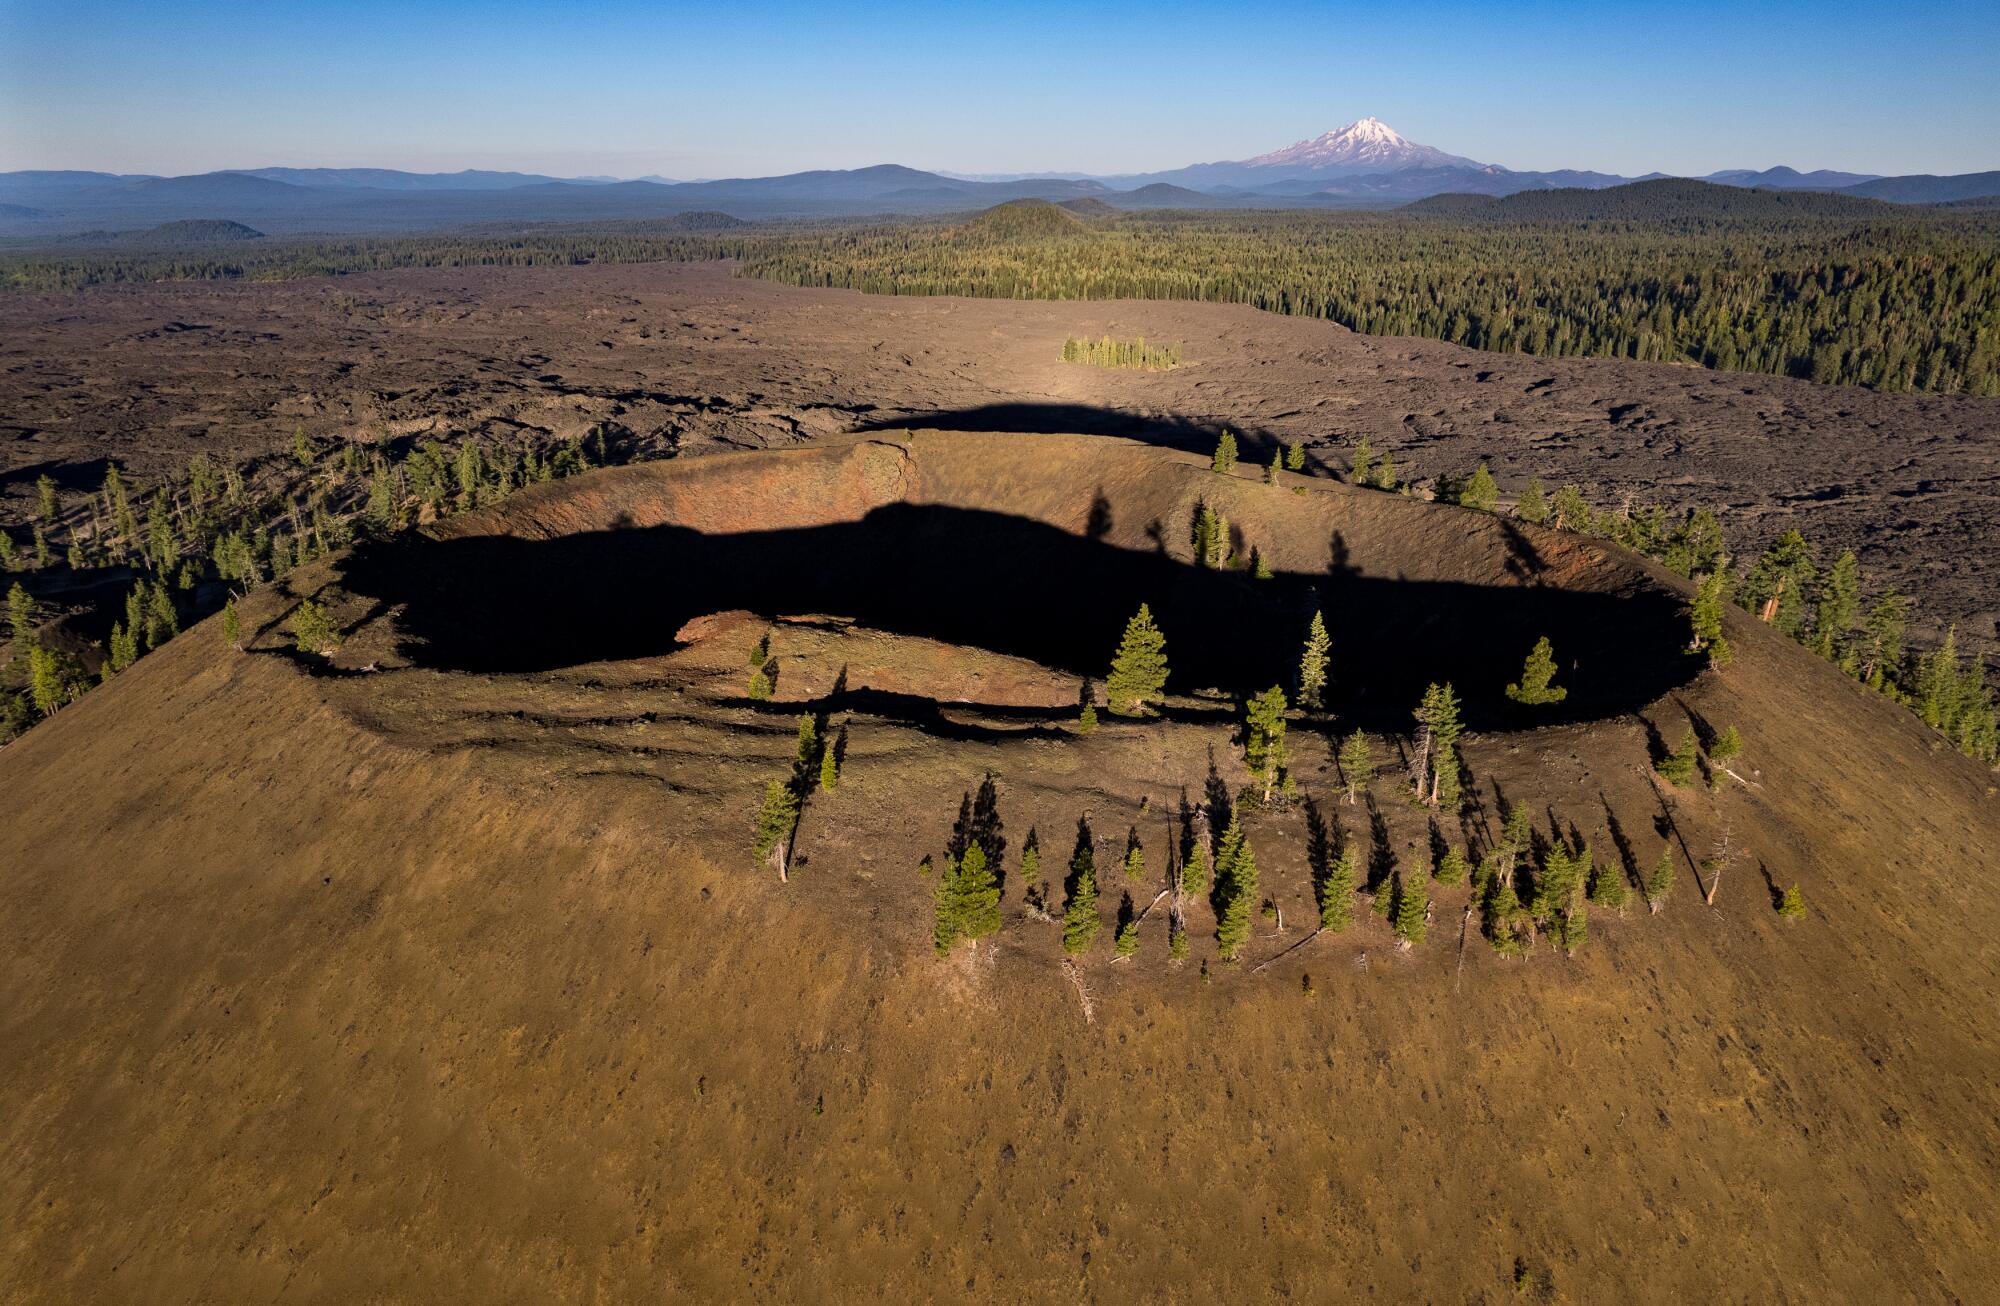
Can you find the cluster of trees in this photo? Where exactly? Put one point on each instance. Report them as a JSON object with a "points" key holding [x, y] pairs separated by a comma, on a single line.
{"points": [[201, 537], [1826, 607], [1135, 355], [1904, 302]]}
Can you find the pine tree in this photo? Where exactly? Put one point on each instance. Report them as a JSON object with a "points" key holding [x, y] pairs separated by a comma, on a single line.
{"points": [[1434, 769], [302, 448], [1411, 913], [1031, 866], [45, 497], [1479, 491], [776, 820], [1139, 670], [1195, 871], [1534, 689], [20, 617], [1236, 884], [1086, 719], [1177, 936], [1500, 912], [232, 624], [1385, 472], [1569, 510], [1335, 892], [1661, 882], [124, 648], [759, 688], [808, 754], [1882, 640], [1361, 468], [1224, 460], [1357, 763], [1451, 868], [829, 763], [1792, 904], [1938, 684], [1705, 619], [1080, 921], [1533, 507], [1678, 767], [1607, 886], [48, 685], [1264, 739], [1838, 606], [977, 892], [312, 628], [162, 622], [1135, 859], [1312, 665], [1295, 457], [1125, 941], [945, 926], [1277, 466]]}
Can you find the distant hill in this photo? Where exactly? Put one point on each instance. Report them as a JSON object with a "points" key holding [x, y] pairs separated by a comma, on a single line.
{"points": [[1929, 190], [1089, 207], [1669, 199], [1022, 218], [1160, 195], [393, 179], [1790, 178], [197, 231]]}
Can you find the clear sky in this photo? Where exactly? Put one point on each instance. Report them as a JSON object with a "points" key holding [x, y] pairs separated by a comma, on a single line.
{"points": [[173, 86]]}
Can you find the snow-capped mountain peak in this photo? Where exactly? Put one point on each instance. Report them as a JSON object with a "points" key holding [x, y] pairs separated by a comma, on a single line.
{"points": [[1369, 145]]}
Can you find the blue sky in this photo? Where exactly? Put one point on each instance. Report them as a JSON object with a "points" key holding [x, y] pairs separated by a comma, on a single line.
{"points": [[749, 88]]}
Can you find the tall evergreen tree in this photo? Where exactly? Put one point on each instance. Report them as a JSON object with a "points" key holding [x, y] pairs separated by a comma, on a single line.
{"points": [[1534, 689], [1837, 608], [1411, 912], [777, 819], [1361, 468], [1277, 466], [1295, 457], [232, 624], [1264, 739], [978, 894], [1678, 767], [1705, 618], [1236, 889], [1434, 769], [1661, 882], [20, 618], [1882, 643], [1080, 920], [1479, 491], [1534, 504], [1335, 892], [1357, 763], [1312, 665], [1224, 460], [1138, 676]]}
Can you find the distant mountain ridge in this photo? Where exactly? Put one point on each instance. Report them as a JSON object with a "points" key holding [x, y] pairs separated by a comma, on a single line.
{"points": [[1366, 164]]}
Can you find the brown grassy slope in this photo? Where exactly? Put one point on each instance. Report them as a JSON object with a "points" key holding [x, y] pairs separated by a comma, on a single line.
{"points": [[301, 1010]]}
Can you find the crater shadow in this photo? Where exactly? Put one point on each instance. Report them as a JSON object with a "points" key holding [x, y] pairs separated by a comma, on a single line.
{"points": [[1016, 586]]}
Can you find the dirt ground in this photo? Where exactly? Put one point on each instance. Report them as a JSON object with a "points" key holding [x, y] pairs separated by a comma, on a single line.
{"points": [[435, 974], [696, 359]]}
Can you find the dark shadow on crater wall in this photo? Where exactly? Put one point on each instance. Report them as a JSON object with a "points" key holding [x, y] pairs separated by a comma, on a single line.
{"points": [[1253, 444], [1019, 587]]}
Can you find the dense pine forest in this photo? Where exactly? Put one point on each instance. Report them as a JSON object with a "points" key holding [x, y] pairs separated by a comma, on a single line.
{"points": [[1895, 301]]}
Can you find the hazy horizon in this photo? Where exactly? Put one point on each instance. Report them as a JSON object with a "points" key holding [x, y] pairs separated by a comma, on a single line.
{"points": [[624, 90]]}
